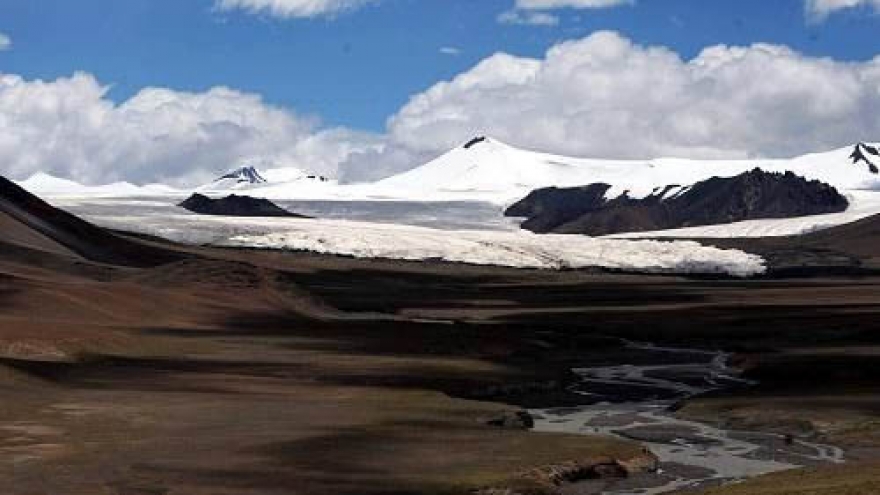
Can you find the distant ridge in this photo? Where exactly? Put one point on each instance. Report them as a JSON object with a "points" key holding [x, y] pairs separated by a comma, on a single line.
{"points": [[486, 169]]}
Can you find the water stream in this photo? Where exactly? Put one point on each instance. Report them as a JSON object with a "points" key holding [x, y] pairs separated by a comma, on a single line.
{"points": [[635, 401]]}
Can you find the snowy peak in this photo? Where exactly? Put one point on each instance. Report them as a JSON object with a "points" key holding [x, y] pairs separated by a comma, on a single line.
{"points": [[482, 166], [241, 178], [244, 175], [486, 169], [869, 155]]}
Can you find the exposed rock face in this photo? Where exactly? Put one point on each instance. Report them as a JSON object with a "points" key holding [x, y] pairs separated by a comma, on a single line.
{"points": [[473, 142], [868, 155], [748, 196], [235, 206]]}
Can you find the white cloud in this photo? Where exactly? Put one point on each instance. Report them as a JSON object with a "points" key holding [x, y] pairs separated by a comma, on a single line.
{"points": [[5, 42], [819, 10], [450, 50], [601, 96], [293, 8], [520, 17], [68, 127], [604, 96], [535, 12], [572, 4]]}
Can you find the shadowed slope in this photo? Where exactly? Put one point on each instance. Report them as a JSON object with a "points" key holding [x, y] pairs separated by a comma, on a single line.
{"points": [[853, 247], [45, 222]]}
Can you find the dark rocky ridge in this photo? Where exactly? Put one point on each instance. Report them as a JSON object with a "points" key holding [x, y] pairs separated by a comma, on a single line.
{"points": [[235, 206], [751, 195], [869, 155]]}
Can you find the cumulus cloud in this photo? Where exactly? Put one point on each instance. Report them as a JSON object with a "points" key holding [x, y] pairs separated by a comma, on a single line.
{"points": [[68, 127], [5, 42], [819, 10], [288, 9], [604, 96]]}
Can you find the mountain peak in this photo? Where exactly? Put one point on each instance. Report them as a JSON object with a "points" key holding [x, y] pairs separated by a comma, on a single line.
{"points": [[246, 174], [481, 139], [473, 142]]}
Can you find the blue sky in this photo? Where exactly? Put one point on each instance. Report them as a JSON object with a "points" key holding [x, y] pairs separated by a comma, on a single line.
{"points": [[357, 68], [179, 91]]}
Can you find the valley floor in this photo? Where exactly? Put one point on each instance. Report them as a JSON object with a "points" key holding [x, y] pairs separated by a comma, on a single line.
{"points": [[253, 372]]}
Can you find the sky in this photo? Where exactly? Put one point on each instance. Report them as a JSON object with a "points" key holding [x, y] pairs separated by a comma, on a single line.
{"points": [[179, 91]]}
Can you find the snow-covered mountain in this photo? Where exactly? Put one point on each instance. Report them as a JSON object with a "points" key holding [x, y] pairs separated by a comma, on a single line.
{"points": [[239, 178], [487, 169]]}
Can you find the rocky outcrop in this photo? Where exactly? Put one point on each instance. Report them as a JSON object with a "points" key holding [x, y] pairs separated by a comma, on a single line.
{"points": [[751, 195], [473, 142], [513, 420], [869, 155], [235, 206], [552, 478]]}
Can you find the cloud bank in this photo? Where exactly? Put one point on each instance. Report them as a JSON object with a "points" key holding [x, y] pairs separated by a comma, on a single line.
{"points": [[602, 96], [68, 127], [605, 96]]}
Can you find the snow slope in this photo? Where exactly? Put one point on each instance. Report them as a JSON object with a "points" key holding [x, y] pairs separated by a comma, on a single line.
{"points": [[493, 171], [43, 184], [487, 170]]}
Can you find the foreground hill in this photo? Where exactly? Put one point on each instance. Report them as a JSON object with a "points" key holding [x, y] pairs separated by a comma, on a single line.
{"points": [[115, 351], [29, 218], [342, 376], [750, 195]]}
